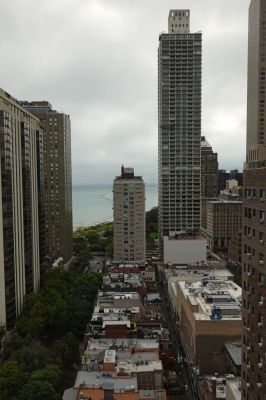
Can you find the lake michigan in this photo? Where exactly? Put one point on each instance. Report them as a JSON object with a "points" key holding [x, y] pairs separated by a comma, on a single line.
{"points": [[93, 204]]}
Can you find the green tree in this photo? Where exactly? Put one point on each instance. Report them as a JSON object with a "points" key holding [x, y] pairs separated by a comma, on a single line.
{"points": [[12, 378], [31, 356], [40, 354], [52, 374], [152, 220], [38, 390]]}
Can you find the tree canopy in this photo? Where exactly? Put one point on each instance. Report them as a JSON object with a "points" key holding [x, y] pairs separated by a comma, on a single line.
{"points": [[39, 356]]}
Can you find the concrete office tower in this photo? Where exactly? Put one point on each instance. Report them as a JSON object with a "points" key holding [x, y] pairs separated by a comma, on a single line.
{"points": [[254, 221], [19, 219], [129, 217], [209, 177], [179, 107], [58, 178]]}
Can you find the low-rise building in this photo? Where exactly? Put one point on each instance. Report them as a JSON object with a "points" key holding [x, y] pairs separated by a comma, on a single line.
{"points": [[233, 358], [145, 365], [193, 274], [148, 275], [106, 391], [184, 249], [210, 316]]}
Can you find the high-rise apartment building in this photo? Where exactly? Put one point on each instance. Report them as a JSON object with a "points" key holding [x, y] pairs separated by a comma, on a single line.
{"points": [[254, 222], [179, 59], [129, 217], [179, 107], [209, 177], [58, 177], [20, 230]]}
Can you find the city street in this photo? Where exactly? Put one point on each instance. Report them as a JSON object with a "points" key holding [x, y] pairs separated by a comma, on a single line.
{"points": [[189, 376]]}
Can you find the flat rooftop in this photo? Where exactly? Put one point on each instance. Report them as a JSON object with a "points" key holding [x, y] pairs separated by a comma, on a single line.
{"points": [[234, 350], [139, 366], [98, 379], [211, 273], [122, 344], [94, 359], [213, 295], [118, 295]]}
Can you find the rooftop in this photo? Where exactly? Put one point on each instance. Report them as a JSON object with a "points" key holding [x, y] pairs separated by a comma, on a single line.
{"points": [[122, 344], [98, 379], [98, 394], [118, 295], [152, 394], [94, 360], [234, 350], [109, 356], [204, 142], [215, 299], [130, 367], [200, 273]]}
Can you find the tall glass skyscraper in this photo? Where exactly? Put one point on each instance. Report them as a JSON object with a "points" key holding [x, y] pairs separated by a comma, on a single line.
{"points": [[179, 109], [21, 229]]}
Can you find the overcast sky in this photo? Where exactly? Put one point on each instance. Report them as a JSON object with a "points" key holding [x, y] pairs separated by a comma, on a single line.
{"points": [[97, 61]]}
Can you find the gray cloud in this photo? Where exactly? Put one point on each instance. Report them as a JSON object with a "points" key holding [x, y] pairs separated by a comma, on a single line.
{"points": [[97, 61]]}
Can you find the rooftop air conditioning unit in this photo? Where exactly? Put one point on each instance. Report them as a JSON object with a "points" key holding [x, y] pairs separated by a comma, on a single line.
{"points": [[248, 366], [262, 199], [261, 262], [249, 273], [248, 328], [248, 385], [259, 385], [248, 348], [260, 345], [260, 324], [248, 255], [261, 241], [260, 365]]}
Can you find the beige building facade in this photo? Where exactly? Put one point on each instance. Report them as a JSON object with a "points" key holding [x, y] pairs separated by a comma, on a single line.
{"points": [[129, 217], [58, 178], [224, 219], [208, 320]]}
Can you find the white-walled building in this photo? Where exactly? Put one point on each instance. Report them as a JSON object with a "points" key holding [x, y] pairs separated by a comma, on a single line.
{"points": [[179, 250]]}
